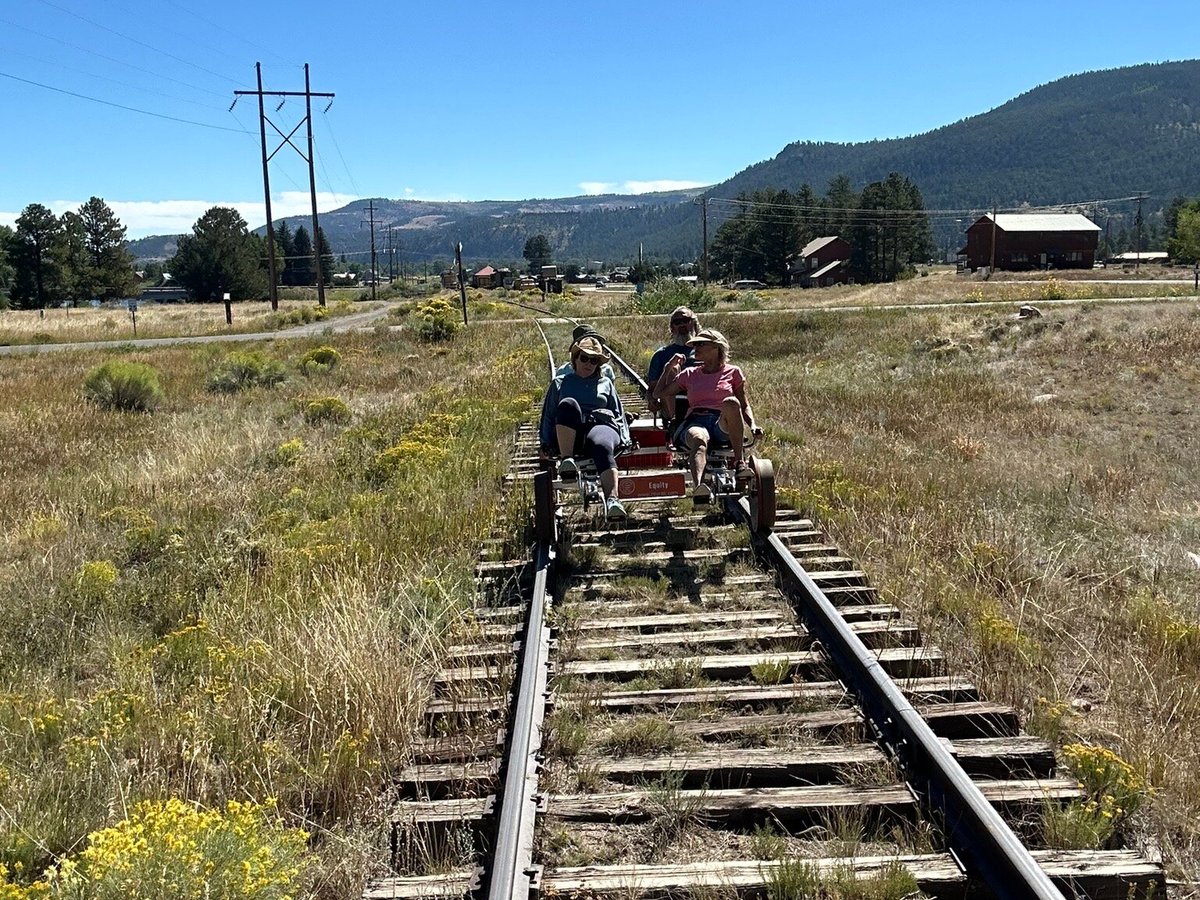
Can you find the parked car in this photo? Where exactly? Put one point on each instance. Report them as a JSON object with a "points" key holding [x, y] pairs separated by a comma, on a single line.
{"points": [[601, 282], [747, 284]]}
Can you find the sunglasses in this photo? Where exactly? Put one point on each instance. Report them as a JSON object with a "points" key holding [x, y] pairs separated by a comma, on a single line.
{"points": [[593, 360]]}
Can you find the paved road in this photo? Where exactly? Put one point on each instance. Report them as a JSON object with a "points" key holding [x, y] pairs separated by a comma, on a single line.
{"points": [[354, 322]]}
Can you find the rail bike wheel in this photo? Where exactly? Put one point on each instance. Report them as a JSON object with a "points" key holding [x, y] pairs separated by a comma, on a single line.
{"points": [[762, 498], [545, 522]]}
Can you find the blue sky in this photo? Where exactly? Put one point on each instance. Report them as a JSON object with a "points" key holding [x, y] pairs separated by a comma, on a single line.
{"points": [[482, 100]]}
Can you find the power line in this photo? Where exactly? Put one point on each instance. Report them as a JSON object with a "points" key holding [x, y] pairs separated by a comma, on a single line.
{"points": [[116, 81], [112, 59], [338, 147], [232, 34], [134, 40], [144, 112]]}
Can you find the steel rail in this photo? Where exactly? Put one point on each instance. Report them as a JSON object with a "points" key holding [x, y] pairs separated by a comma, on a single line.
{"points": [[510, 874], [977, 834]]}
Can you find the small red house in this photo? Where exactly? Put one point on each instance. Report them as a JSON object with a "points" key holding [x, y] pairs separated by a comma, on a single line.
{"points": [[822, 262], [1032, 241], [485, 278]]}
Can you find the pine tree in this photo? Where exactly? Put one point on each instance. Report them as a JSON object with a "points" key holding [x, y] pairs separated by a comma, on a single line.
{"points": [[302, 268], [108, 270], [285, 250], [37, 258], [220, 256]]}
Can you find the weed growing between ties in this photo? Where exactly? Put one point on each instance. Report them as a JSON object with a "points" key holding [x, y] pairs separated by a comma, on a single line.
{"points": [[1030, 499], [796, 879], [226, 600]]}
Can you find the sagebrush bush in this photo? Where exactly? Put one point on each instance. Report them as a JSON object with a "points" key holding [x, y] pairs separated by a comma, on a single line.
{"points": [[327, 409], [242, 369], [664, 294], [320, 360], [303, 315], [124, 385]]}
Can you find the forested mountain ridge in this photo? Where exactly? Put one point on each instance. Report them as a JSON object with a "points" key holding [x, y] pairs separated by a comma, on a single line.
{"points": [[1096, 135]]}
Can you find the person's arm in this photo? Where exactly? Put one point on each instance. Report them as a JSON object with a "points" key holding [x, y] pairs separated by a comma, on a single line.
{"points": [[739, 391], [668, 384], [614, 403]]}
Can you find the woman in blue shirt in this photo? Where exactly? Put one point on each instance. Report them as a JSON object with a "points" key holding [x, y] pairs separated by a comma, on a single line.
{"points": [[582, 415]]}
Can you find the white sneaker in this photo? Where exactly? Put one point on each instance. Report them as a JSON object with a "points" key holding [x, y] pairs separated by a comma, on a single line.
{"points": [[567, 468], [613, 508]]}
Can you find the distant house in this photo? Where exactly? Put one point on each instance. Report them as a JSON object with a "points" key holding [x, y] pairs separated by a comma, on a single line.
{"points": [[487, 277], [822, 262], [1032, 241], [1161, 257], [449, 280], [164, 295], [344, 279]]}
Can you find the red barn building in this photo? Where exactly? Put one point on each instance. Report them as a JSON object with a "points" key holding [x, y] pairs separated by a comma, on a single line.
{"points": [[822, 262], [1032, 241]]}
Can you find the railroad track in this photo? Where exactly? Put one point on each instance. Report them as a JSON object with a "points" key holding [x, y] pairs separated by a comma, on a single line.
{"points": [[677, 704]]}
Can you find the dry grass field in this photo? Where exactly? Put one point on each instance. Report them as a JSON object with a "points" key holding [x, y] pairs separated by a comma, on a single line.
{"points": [[1030, 492], [240, 596], [237, 598], [157, 320]]}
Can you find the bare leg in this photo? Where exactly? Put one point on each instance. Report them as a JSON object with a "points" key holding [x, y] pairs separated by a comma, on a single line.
{"points": [[697, 441], [608, 483], [566, 440], [732, 425]]}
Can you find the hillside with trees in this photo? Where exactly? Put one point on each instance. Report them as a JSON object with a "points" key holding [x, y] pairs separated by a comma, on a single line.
{"points": [[1093, 136]]}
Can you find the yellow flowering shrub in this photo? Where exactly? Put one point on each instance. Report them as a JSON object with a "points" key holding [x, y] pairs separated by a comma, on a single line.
{"points": [[287, 453], [96, 579], [173, 849], [439, 320], [1114, 792], [1108, 779]]}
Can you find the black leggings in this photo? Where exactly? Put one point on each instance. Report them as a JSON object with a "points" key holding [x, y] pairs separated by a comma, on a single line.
{"points": [[597, 439]]}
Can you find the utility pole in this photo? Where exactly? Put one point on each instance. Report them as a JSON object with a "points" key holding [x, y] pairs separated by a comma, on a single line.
{"points": [[263, 122], [374, 267], [462, 287], [992, 267], [391, 255], [1141, 195], [312, 191], [262, 130], [704, 257]]}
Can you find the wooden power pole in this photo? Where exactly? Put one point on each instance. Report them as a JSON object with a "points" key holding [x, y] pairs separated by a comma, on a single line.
{"points": [[263, 122]]}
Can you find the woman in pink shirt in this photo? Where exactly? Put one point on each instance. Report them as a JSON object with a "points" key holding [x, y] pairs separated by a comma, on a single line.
{"points": [[718, 411]]}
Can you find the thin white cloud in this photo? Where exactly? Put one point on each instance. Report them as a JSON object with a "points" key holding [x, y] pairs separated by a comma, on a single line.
{"points": [[598, 187], [146, 217], [591, 188]]}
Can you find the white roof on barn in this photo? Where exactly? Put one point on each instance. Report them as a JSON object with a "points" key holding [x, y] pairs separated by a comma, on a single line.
{"points": [[1043, 222], [816, 244]]}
